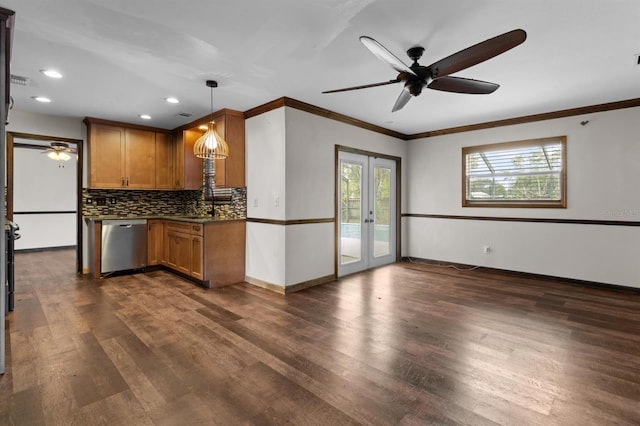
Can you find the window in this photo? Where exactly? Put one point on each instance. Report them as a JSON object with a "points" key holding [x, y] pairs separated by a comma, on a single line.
{"points": [[529, 173]]}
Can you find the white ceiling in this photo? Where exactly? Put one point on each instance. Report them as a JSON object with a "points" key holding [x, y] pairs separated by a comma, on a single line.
{"points": [[121, 58]]}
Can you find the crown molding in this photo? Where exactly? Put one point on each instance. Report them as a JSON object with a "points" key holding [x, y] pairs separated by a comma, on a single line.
{"points": [[303, 106]]}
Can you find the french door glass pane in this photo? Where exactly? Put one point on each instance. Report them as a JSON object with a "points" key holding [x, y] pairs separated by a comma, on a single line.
{"points": [[382, 212], [350, 213]]}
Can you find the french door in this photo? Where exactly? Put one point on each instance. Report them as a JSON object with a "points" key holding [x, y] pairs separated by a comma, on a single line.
{"points": [[367, 212]]}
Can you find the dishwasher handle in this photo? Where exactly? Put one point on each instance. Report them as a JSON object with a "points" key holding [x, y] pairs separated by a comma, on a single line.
{"points": [[127, 225]]}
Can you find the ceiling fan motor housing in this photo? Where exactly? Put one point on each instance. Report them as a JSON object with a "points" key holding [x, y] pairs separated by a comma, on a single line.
{"points": [[415, 87], [59, 146]]}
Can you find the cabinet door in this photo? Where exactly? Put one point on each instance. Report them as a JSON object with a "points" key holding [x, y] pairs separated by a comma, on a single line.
{"points": [[234, 165], [179, 256], [164, 250], [154, 242], [230, 172], [165, 162], [140, 159], [106, 156], [190, 165], [197, 252], [221, 165], [178, 161]]}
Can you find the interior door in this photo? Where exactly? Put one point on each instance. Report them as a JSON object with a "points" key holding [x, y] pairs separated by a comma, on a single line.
{"points": [[367, 214]]}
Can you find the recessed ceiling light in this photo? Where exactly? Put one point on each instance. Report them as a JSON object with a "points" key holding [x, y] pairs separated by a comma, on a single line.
{"points": [[145, 116], [51, 73], [172, 100], [42, 99]]}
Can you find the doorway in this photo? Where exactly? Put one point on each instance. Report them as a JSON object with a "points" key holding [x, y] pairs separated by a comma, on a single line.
{"points": [[367, 197], [57, 210]]}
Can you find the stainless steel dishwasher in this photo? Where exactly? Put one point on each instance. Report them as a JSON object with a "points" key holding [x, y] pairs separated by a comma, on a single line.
{"points": [[124, 245]]}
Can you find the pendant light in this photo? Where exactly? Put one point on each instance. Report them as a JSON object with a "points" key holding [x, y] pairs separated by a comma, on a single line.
{"points": [[211, 145]]}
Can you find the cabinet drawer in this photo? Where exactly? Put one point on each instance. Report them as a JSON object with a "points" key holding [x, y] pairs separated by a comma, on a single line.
{"points": [[175, 226], [185, 227]]}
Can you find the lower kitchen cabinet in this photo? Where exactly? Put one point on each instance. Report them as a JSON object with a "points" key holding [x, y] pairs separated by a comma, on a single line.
{"points": [[212, 253], [224, 253], [155, 244], [197, 253], [179, 252]]}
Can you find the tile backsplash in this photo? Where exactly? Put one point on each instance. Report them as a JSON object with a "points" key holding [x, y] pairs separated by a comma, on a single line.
{"points": [[232, 203]]}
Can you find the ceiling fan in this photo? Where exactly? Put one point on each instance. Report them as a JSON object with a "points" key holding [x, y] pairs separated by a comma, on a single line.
{"points": [[59, 151], [437, 75]]}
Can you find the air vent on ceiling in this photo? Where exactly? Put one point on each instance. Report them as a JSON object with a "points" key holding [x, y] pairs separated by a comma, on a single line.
{"points": [[19, 80], [185, 114]]}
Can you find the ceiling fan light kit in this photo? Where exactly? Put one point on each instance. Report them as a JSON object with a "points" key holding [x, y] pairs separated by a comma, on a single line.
{"points": [[437, 75], [59, 156], [59, 151]]}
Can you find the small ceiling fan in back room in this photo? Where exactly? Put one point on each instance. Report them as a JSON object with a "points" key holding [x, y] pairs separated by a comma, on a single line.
{"points": [[437, 75], [59, 151]]}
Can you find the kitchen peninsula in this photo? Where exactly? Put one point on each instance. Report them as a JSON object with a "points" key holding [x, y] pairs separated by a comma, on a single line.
{"points": [[206, 250]]}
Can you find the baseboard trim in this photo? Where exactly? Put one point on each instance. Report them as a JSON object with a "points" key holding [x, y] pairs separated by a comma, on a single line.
{"points": [[280, 289], [35, 250], [572, 281], [291, 221], [276, 288]]}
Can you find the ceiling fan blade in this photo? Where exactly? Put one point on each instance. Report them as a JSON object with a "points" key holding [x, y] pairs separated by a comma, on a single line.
{"points": [[364, 86], [477, 53], [463, 85], [402, 100], [383, 54]]}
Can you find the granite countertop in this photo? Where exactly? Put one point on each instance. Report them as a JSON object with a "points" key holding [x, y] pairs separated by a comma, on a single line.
{"points": [[181, 218]]}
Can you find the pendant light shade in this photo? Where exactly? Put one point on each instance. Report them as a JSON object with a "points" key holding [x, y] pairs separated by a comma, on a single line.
{"points": [[211, 145]]}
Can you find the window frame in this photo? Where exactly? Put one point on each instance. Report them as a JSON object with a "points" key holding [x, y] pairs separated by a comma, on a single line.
{"points": [[562, 203]]}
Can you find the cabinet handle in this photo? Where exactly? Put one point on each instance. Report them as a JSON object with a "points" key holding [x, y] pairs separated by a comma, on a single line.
{"points": [[127, 181], [122, 182]]}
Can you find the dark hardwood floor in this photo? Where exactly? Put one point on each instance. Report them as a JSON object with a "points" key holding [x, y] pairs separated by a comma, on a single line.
{"points": [[404, 344]]}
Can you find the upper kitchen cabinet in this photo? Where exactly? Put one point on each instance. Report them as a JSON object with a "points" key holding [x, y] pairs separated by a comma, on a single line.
{"points": [[106, 156], [140, 159], [188, 168], [165, 162], [124, 157], [229, 172]]}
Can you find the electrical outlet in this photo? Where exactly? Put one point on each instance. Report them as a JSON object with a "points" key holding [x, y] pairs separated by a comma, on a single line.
{"points": [[101, 201], [276, 202], [112, 200], [486, 249], [89, 201], [255, 202]]}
